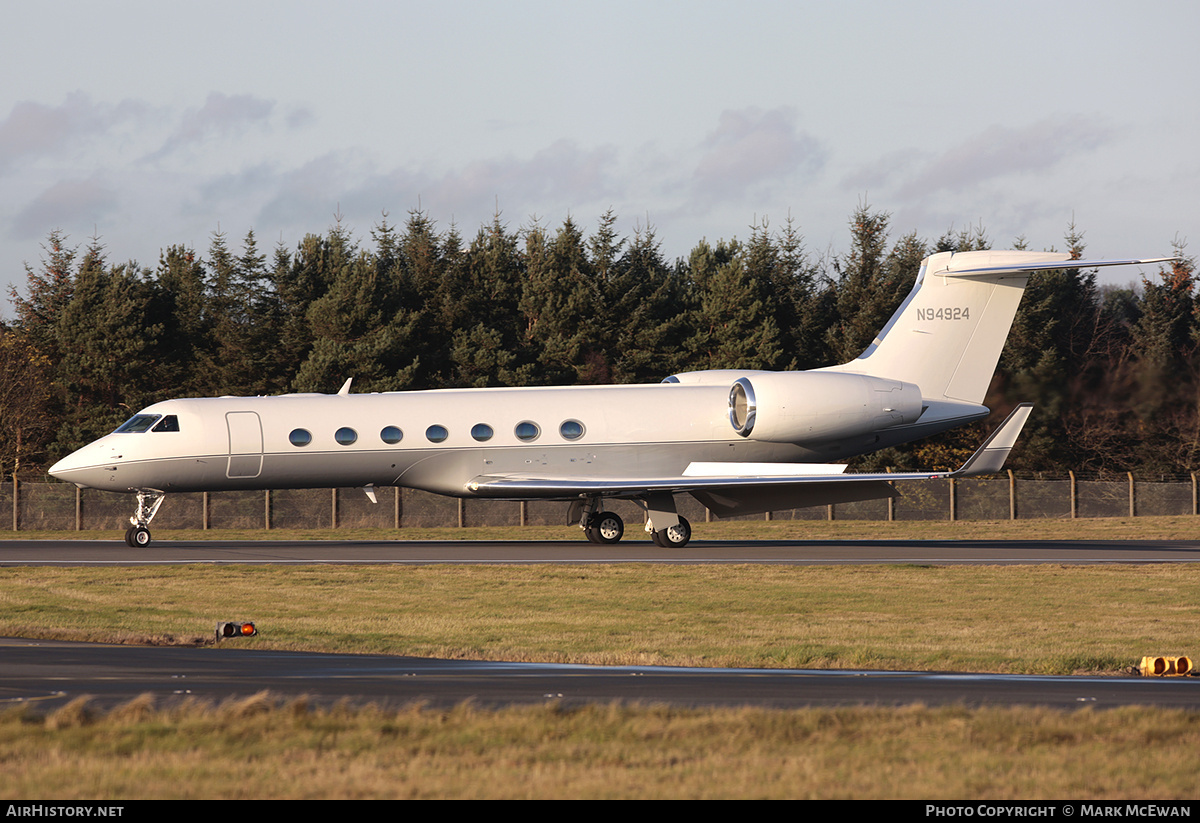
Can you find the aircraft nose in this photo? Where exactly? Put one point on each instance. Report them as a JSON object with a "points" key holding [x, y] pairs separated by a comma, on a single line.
{"points": [[80, 468]]}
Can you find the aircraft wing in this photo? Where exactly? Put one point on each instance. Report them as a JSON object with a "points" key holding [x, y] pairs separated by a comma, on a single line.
{"points": [[707, 478]]}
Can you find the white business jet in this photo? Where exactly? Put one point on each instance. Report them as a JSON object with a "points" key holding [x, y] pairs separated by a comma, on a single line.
{"points": [[739, 441]]}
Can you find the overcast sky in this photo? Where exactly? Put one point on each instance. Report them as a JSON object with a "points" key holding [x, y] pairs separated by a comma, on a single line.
{"points": [[153, 123]]}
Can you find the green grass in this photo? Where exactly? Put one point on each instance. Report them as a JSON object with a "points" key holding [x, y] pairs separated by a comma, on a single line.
{"points": [[1029, 619]]}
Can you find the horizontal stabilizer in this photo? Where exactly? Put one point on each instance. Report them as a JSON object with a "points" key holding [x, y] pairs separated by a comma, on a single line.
{"points": [[1005, 262]]}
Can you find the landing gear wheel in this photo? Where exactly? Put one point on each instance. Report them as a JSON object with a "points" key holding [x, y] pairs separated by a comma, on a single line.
{"points": [[138, 533], [674, 537], [606, 527]]}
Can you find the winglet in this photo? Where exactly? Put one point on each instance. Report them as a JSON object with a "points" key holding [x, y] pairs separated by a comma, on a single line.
{"points": [[989, 458]]}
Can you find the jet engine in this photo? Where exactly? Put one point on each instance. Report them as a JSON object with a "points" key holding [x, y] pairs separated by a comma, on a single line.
{"points": [[804, 407]]}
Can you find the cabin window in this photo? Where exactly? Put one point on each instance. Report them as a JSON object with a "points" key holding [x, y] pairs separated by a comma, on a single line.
{"points": [[571, 430], [138, 423], [391, 435], [300, 437], [345, 435], [482, 432], [170, 423], [436, 433], [527, 431]]}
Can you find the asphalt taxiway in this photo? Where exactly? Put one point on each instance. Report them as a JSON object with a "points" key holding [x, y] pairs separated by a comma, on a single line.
{"points": [[45, 675], [800, 552]]}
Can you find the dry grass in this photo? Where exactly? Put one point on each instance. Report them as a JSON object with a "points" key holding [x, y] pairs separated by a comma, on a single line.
{"points": [[255, 748]]}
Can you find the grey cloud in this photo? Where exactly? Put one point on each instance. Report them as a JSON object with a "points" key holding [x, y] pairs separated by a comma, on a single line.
{"points": [[33, 129], [68, 203], [298, 118], [560, 172], [221, 115], [314, 188], [751, 147], [890, 169], [561, 175], [1000, 151]]}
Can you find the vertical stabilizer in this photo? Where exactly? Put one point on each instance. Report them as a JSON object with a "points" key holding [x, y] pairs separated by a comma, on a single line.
{"points": [[948, 334]]}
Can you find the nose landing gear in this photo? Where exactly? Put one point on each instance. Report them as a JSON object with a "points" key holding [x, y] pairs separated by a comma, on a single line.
{"points": [[138, 534]]}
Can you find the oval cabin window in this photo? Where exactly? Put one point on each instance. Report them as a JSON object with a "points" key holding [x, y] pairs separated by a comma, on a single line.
{"points": [[527, 431], [571, 430]]}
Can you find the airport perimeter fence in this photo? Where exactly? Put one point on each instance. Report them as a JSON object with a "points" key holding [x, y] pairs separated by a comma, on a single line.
{"points": [[60, 506]]}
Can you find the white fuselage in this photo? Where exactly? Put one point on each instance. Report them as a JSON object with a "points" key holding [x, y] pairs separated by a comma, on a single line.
{"points": [[610, 431]]}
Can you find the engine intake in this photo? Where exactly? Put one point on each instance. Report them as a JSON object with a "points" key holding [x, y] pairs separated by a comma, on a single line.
{"points": [[804, 407]]}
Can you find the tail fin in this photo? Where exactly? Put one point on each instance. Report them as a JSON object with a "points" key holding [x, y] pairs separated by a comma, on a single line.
{"points": [[947, 335]]}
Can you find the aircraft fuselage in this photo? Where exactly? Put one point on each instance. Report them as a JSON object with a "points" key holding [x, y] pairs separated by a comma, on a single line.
{"points": [[445, 438]]}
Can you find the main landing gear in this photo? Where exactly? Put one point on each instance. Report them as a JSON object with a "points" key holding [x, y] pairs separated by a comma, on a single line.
{"points": [[673, 537], [666, 527], [138, 533], [604, 527]]}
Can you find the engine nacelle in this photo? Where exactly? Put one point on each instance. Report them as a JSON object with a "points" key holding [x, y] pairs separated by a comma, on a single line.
{"points": [[803, 407]]}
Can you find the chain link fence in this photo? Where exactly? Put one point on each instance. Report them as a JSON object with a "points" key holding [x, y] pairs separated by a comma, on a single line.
{"points": [[58, 506]]}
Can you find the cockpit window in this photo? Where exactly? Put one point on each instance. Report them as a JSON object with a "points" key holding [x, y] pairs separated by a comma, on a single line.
{"points": [[170, 423], [138, 424]]}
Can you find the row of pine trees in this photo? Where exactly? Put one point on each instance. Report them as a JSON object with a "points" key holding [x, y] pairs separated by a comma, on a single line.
{"points": [[1113, 371]]}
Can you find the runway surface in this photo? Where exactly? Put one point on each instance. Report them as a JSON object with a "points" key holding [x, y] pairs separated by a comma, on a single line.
{"points": [[48, 674], [799, 552]]}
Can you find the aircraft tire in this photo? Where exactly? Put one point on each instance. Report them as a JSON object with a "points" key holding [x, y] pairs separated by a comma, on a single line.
{"points": [[608, 528], [674, 537], [138, 537]]}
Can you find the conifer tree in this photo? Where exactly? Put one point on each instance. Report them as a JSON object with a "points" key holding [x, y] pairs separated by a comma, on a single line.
{"points": [[1045, 353], [178, 303], [643, 319], [559, 302], [487, 348], [50, 288], [732, 327], [107, 369], [871, 283]]}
